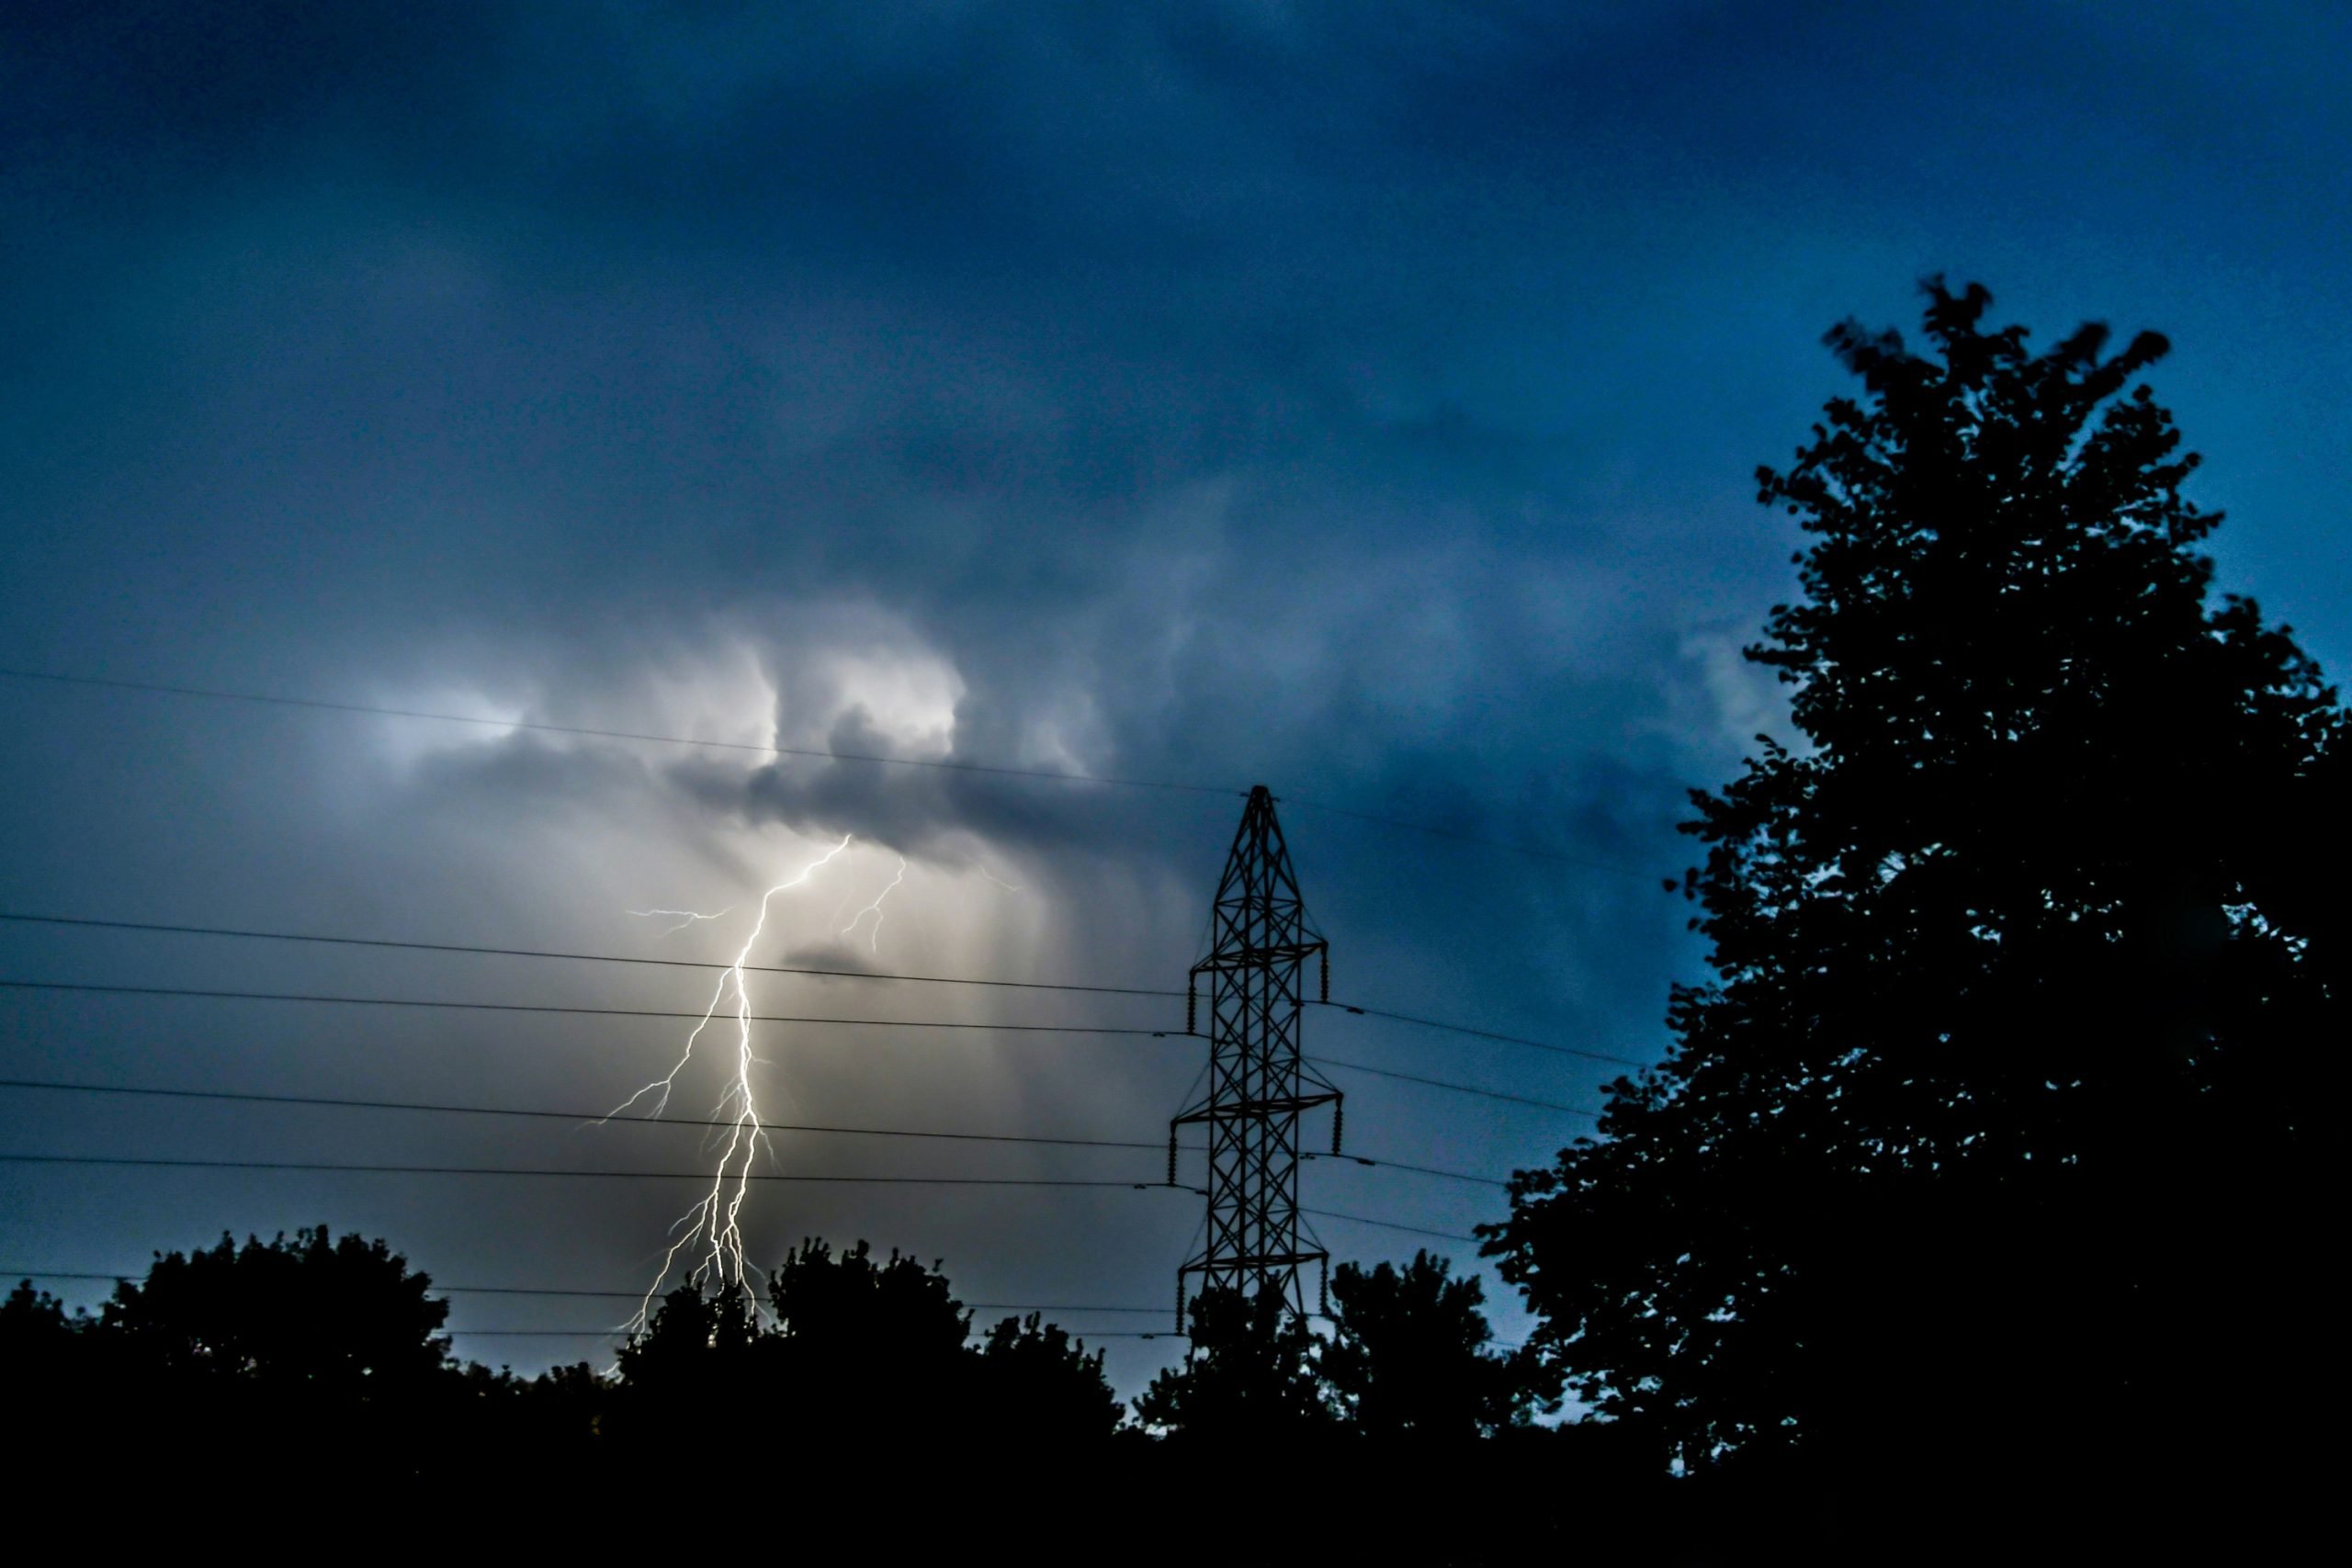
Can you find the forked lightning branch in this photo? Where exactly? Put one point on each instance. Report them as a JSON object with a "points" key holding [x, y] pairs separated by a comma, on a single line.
{"points": [[709, 1237]]}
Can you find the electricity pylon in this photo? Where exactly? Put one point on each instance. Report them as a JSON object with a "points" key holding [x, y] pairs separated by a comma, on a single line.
{"points": [[1257, 1084]]}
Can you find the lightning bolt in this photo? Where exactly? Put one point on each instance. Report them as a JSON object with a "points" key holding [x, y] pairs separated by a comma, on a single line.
{"points": [[999, 881], [684, 916], [874, 909], [711, 1225]]}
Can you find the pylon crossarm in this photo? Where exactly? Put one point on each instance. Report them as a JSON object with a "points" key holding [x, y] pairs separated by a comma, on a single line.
{"points": [[1252, 1109], [1257, 957], [1246, 1261]]}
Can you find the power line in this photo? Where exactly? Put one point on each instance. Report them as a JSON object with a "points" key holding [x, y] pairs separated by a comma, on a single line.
{"points": [[1506, 1346], [567, 1010], [618, 1296], [574, 1117], [143, 1161], [705, 965], [6, 1273], [1485, 1035], [584, 1117], [638, 1296], [1385, 1225], [1457, 1088], [150, 1162], [1393, 1165], [250, 935], [758, 1018], [1078, 1334], [1081, 1335], [146, 1162], [942, 764]]}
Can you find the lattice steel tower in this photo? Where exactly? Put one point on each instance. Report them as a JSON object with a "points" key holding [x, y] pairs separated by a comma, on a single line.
{"points": [[1256, 1085]]}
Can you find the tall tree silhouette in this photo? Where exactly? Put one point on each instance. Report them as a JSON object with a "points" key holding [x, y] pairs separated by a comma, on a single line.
{"points": [[1252, 1377], [1409, 1356], [1988, 1149]]}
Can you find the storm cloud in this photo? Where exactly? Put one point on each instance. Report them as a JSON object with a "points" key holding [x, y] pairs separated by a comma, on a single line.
{"points": [[1362, 400]]}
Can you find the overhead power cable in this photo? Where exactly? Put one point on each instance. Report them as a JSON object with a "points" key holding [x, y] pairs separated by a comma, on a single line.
{"points": [[249, 934], [436, 1288], [573, 1011], [1455, 1087], [579, 1118], [631, 1295], [759, 1018], [1393, 1165], [574, 1172], [1385, 1225], [706, 965], [637, 1295], [147, 1162], [1081, 1334], [152, 1162], [755, 1018], [1485, 1034]]}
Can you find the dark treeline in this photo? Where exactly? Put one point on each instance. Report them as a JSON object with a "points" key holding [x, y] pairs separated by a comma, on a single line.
{"points": [[311, 1335], [1974, 1210], [321, 1367]]}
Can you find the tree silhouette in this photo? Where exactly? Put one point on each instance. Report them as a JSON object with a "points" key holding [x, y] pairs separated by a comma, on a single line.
{"points": [[304, 1357], [698, 1355], [1032, 1384], [1250, 1377], [44, 1354], [860, 1351], [1988, 1152], [875, 1346], [331, 1319], [1408, 1359], [33, 1328]]}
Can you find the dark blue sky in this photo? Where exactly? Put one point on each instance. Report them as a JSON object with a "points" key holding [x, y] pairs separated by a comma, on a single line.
{"points": [[1362, 399]]}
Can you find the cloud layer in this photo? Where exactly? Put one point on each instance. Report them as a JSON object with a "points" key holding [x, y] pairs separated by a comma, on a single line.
{"points": [[1359, 400]]}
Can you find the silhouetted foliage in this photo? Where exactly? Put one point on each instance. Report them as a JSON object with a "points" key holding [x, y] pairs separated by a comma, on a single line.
{"points": [[43, 1353], [1250, 1377], [314, 1366], [301, 1356], [1033, 1384], [859, 1350], [330, 1318], [696, 1353], [1407, 1357], [1988, 1150], [33, 1328], [865, 1349]]}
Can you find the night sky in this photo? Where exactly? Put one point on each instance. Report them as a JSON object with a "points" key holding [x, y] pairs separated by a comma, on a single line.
{"points": [[1359, 399]]}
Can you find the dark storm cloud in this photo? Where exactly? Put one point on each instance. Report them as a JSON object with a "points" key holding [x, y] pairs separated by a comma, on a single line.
{"points": [[1360, 399], [1163, 354]]}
